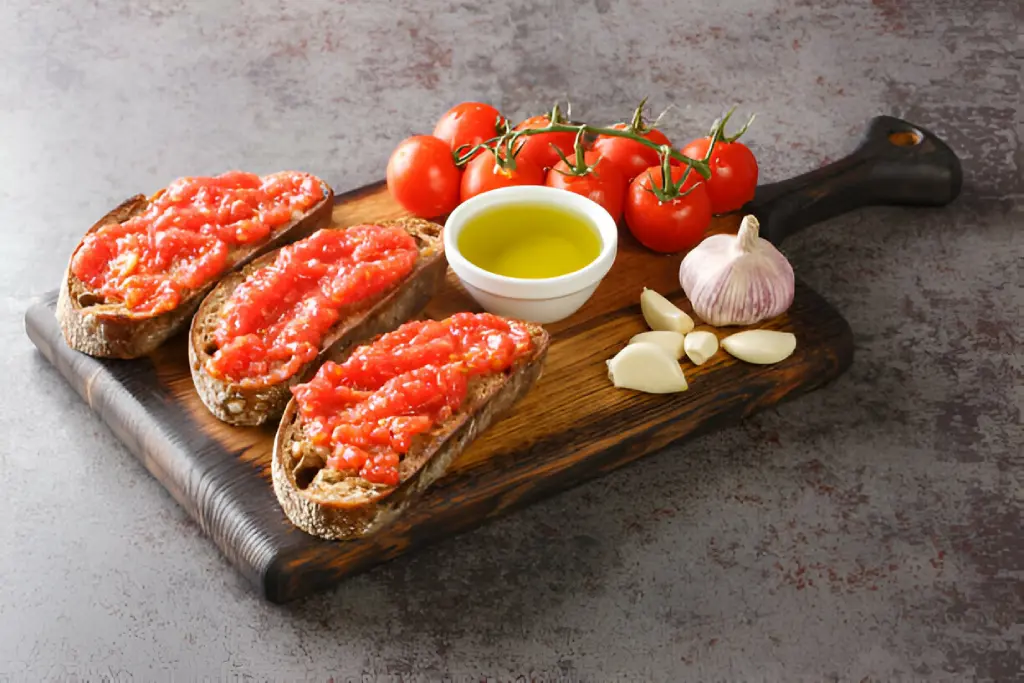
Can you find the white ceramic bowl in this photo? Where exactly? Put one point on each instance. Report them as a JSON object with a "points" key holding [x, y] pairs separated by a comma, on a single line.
{"points": [[541, 300]]}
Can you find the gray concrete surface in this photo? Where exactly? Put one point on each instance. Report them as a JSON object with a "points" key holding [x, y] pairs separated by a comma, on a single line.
{"points": [[871, 531]]}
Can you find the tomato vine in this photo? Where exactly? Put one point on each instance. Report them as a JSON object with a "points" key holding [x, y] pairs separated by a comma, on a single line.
{"points": [[507, 141]]}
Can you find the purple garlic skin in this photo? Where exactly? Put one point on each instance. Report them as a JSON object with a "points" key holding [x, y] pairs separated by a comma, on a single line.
{"points": [[737, 279]]}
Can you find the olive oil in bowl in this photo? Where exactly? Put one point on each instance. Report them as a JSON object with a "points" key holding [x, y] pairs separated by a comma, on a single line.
{"points": [[530, 252], [529, 241]]}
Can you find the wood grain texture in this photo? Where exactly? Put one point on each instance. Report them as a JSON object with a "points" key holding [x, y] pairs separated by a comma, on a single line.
{"points": [[572, 427]]}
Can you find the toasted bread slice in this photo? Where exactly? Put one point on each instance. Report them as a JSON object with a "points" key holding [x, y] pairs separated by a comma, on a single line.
{"points": [[241, 405], [110, 330], [335, 506]]}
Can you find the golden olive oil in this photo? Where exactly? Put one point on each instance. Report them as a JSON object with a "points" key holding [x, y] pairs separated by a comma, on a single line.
{"points": [[529, 241]]}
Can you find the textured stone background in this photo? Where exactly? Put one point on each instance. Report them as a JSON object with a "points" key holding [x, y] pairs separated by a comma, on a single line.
{"points": [[869, 531]]}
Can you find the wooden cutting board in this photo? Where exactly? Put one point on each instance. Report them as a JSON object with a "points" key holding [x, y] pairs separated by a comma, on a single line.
{"points": [[573, 426]]}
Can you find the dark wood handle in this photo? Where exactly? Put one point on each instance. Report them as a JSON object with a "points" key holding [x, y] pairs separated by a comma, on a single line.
{"points": [[896, 163]]}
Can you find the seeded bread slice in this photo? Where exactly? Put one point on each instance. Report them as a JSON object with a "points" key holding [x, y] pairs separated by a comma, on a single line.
{"points": [[248, 405], [329, 504], [110, 330]]}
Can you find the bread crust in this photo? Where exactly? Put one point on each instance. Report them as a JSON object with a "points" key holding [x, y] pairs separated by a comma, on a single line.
{"points": [[110, 330], [238, 405], [345, 512]]}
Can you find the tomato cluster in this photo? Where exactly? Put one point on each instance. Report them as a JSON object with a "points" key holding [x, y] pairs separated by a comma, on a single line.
{"points": [[474, 150]]}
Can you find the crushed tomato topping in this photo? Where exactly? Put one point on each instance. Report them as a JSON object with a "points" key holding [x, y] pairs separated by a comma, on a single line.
{"points": [[368, 409], [275, 320], [183, 239]]}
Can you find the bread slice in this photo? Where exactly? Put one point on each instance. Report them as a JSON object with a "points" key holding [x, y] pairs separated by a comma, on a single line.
{"points": [[331, 505], [110, 330], [238, 405]]}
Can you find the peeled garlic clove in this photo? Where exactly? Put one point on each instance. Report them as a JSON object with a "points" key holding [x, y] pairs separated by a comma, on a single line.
{"points": [[660, 314], [700, 346], [646, 367], [670, 342], [762, 347]]}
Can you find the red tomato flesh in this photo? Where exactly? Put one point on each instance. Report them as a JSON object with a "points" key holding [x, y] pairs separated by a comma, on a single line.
{"points": [[276, 319], [368, 409], [182, 240]]}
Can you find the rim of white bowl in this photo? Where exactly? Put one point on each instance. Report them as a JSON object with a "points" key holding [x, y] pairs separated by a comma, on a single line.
{"points": [[532, 288]]}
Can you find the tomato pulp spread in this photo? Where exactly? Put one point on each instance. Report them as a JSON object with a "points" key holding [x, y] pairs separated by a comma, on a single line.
{"points": [[275, 320], [183, 239], [367, 409]]}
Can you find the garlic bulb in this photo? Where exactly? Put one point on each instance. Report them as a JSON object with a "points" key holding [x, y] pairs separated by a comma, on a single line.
{"points": [[737, 279]]}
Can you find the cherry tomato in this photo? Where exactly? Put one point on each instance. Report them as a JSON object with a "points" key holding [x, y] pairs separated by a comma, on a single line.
{"points": [[632, 157], [604, 183], [422, 176], [538, 148], [469, 123], [733, 173], [669, 226], [483, 174]]}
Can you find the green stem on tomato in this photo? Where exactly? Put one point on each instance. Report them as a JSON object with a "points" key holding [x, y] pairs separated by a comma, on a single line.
{"points": [[506, 159], [743, 130], [720, 125], [669, 190], [580, 166], [556, 115], [637, 124]]}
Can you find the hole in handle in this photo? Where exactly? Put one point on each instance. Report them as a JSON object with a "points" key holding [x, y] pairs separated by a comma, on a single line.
{"points": [[905, 138]]}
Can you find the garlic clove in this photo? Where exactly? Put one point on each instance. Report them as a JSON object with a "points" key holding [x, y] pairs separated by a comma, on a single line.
{"points": [[762, 347], [646, 367], [670, 342], [700, 346], [660, 314], [739, 279]]}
